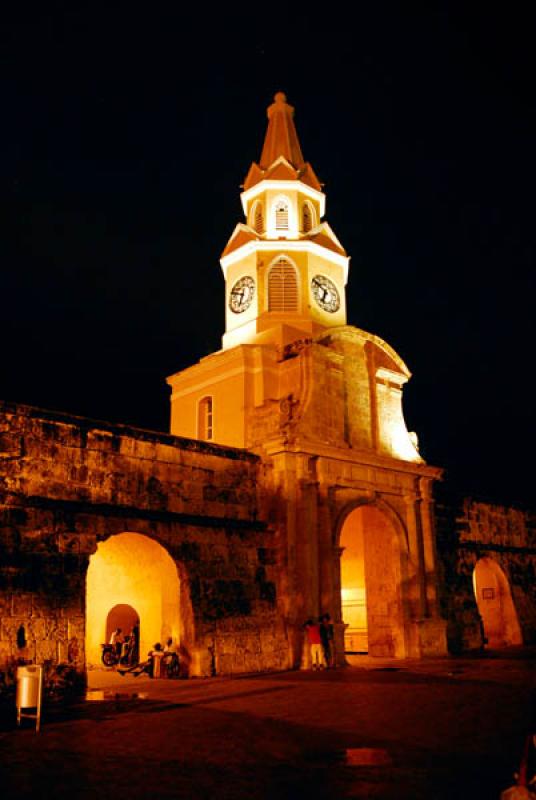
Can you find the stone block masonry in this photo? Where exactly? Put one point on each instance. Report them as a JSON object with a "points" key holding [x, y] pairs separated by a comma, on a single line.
{"points": [[472, 532], [68, 484]]}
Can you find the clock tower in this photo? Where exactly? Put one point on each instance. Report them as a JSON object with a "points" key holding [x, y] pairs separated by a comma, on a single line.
{"points": [[290, 368], [285, 270], [319, 401]]}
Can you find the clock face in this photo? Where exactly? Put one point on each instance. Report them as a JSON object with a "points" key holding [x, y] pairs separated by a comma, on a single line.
{"points": [[242, 294], [325, 293]]}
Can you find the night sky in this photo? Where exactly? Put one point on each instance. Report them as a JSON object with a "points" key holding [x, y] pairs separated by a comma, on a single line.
{"points": [[125, 137]]}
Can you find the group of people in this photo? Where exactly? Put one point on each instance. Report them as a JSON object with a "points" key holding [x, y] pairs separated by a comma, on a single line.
{"points": [[126, 645], [321, 642], [161, 662]]}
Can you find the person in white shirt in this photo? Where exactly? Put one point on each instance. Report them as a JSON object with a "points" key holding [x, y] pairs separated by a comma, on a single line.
{"points": [[117, 639]]}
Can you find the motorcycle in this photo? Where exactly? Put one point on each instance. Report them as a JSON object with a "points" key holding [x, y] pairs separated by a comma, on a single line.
{"points": [[109, 655]]}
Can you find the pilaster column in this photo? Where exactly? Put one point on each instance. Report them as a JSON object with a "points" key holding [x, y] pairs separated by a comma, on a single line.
{"points": [[339, 626], [428, 536], [416, 550]]}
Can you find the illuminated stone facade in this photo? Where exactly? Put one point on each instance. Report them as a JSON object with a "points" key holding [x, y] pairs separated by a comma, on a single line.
{"points": [[70, 484], [320, 402], [289, 486]]}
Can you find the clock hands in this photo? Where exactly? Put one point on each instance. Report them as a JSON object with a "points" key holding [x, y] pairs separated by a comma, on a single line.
{"points": [[242, 294], [325, 293], [321, 289], [239, 294]]}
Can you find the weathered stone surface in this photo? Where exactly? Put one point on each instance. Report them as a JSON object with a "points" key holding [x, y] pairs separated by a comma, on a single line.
{"points": [[469, 530], [255, 538], [72, 483]]}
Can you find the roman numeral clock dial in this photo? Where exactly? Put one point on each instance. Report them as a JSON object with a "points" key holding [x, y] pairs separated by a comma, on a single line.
{"points": [[242, 294], [325, 293]]}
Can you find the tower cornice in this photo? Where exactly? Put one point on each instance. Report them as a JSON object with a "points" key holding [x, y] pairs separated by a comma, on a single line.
{"points": [[288, 246]]}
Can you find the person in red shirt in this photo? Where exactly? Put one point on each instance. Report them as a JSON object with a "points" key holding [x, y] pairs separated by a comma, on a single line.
{"points": [[312, 629]]}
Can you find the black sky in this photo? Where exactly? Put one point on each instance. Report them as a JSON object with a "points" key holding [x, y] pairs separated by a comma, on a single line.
{"points": [[126, 135]]}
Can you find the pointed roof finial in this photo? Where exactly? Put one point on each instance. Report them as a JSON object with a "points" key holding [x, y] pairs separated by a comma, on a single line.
{"points": [[281, 157], [281, 137]]}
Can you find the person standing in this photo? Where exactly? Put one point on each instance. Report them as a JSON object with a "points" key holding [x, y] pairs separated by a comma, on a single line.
{"points": [[312, 630], [135, 639], [326, 637]]}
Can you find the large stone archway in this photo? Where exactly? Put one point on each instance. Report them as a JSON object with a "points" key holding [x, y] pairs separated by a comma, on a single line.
{"points": [[371, 583], [495, 604], [134, 570]]}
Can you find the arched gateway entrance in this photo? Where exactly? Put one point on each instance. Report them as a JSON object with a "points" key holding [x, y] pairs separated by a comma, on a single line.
{"points": [[131, 571], [371, 584], [495, 604]]}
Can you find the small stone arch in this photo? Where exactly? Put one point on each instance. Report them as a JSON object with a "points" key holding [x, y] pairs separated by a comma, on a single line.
{"points": [[122, 616], [373, 546], [495, 604], [136, 570]]}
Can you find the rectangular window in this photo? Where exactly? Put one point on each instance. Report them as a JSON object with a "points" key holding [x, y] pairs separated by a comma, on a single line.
{"points": [[209, 418], [205, 428], [281, 217]]}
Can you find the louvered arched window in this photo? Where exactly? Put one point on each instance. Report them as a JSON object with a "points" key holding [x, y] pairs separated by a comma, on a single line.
{"points": [[282, 287], [281, 215], [258, 218], [307, 218], [204, 419]]}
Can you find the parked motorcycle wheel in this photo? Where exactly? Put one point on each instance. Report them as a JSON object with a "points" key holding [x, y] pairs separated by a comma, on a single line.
{"points": [[109, 658]]}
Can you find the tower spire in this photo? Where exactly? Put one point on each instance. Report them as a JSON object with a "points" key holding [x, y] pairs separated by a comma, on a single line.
{"points": [[281, 137], [281, 157]]}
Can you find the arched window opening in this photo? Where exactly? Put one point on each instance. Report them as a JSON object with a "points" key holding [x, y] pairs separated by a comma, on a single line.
{"points": [[205, 419], [283, 287], [307, 218], [258, 218], [281, 215]]}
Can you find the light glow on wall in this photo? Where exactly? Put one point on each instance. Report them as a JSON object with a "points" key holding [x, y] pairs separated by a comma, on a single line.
{"points": [[495, 605], [134, 570], [393, 433], [370, 584]]}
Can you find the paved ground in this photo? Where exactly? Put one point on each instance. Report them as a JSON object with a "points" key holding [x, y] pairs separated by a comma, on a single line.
{"points": [[445, 729]]}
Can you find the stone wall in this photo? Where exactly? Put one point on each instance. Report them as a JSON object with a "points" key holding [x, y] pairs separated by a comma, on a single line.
{"points": [[253, 538], [468, 530], [67, 483]]}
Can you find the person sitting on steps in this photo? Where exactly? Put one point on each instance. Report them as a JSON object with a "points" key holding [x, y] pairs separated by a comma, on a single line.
{"points": [[170, 662], [151, 666]]}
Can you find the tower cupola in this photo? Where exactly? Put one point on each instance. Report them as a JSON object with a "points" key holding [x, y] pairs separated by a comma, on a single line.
{"points": [[284, 268]]}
